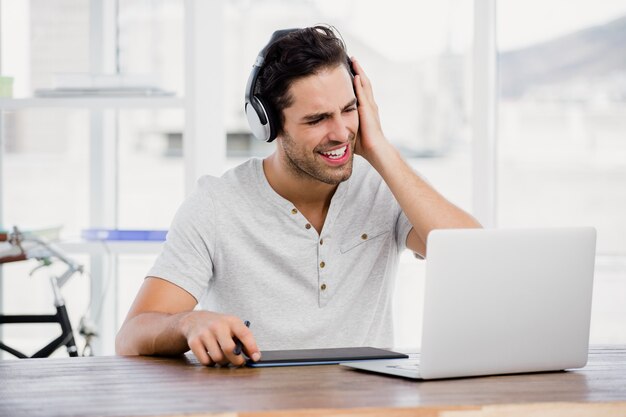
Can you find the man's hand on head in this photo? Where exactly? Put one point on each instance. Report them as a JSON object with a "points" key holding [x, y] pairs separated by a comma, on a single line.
{"points": [[370, 138], [212, 338]]}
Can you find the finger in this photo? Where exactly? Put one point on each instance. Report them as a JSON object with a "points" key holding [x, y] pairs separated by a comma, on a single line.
{"points": [[356, 65], [358, 89], [245, 336], [367, 107], [356, 80], [363, 83], [199, 350], [213, 347], [227, 345], [364, 79]]}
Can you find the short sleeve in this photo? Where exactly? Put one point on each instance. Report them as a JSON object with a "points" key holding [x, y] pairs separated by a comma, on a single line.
{"points": [[186, 257], [403, 227]]}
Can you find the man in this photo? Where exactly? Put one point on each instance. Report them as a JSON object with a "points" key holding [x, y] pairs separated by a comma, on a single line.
{"points": [[304, 243]]}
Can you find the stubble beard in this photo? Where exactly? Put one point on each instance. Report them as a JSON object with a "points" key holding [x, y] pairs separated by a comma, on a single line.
{"points": [[308, 166]]}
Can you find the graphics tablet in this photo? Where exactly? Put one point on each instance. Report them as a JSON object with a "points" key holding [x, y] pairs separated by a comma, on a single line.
{"points": [[321, 356]]}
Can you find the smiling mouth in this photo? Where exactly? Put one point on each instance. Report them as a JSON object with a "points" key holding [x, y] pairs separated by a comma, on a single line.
{"points": [[336, 153]]}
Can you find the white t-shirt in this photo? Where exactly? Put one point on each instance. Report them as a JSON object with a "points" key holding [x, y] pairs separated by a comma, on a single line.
{"points": [[240, 248]]}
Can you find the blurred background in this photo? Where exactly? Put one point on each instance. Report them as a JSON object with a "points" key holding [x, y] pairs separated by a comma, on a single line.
{"points": [[126, 160]]}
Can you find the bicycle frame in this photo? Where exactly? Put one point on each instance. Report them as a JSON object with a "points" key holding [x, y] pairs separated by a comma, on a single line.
{"points": [[66, 338], [42, 252]]}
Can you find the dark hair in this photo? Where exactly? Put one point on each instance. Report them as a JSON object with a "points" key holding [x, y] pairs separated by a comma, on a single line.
{"points": [[298, 54]]}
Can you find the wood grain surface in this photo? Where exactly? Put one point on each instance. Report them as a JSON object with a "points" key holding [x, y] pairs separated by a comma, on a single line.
{"points": [[149, 386]]}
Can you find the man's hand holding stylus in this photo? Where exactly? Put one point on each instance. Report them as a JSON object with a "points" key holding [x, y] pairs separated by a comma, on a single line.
{"points": [[212, 338]]}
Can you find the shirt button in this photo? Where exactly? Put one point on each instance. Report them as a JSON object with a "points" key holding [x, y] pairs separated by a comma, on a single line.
{"points": [[308, 225], [323, 287], [364, 236], [294, 211], [322, 264], [321, 241]]}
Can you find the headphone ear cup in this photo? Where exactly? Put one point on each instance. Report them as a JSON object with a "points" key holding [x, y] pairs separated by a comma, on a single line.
{"points": [[270, 116], [350, 67], [258, 119], [261, 119]]}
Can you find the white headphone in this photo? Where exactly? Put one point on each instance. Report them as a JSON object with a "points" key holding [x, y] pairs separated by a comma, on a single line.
{"points": [[261, 117]]}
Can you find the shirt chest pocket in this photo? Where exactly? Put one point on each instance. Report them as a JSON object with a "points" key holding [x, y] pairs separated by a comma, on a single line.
{"points": [[363, 241]]}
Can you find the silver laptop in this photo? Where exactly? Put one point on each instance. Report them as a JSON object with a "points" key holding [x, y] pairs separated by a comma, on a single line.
{"points": [[502, 301]]}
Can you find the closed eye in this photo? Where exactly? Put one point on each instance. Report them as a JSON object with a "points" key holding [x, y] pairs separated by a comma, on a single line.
{"points": [[314, 119], [350, 106]]}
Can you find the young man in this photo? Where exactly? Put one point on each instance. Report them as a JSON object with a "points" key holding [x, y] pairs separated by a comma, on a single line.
{"points": [[304, 243]]}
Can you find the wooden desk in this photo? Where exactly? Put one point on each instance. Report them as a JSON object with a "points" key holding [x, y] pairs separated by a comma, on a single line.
{"points": [[141, 386]]}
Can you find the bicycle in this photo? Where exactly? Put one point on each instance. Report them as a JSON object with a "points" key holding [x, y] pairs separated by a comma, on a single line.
{"points": [[26, 246]]}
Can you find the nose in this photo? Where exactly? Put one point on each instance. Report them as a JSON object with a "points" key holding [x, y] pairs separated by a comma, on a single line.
{"points": [[340, 129]]}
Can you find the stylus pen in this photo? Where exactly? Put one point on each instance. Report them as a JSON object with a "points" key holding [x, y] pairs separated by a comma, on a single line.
{"points": [[238, 345]]}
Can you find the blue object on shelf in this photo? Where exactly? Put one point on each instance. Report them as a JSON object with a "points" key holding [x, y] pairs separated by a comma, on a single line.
{"points": [[124, 234]]}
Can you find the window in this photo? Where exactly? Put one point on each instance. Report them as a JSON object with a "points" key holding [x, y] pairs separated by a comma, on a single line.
{"points": [[50, 148], [562, 131]]}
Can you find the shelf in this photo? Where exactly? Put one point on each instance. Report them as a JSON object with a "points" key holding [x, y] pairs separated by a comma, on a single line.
{"points": [[154, 102], [110, 247]]}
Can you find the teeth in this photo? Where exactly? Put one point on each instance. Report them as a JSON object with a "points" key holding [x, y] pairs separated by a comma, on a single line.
{"points": [[336, 153]]}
